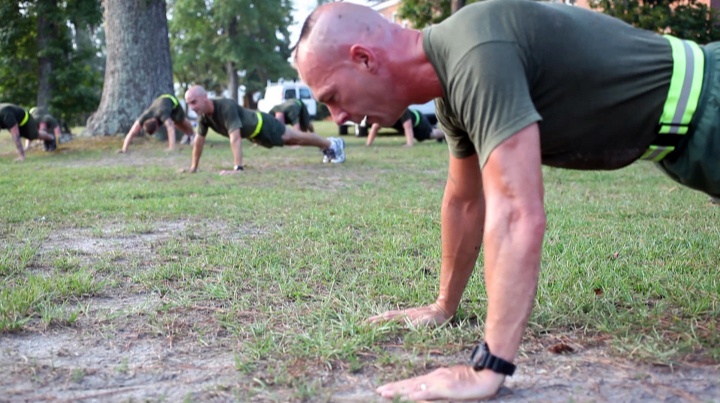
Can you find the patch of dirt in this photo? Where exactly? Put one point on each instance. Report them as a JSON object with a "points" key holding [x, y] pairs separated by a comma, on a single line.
{"points": [[116, 352], [72, 365]]}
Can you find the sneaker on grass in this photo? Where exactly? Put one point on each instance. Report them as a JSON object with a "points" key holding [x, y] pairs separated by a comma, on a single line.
{"points": [[328, 154], [338, 148]]}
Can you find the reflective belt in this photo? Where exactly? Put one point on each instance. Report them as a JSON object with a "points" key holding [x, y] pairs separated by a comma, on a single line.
{"points": [[417, 117], [258, 127], [25, 119], [683, 95], [172, 98]]}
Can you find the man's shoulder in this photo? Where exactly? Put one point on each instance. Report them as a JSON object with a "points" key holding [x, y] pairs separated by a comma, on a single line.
{"points": [[8, 107], [224, 103]]}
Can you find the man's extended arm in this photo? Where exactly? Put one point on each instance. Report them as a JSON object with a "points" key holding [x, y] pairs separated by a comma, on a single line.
{"points": [[374, 129], [197, 152], [236, 146], [134, 130], [462, 216], [170, 127], [15, 132], [514, 229], [409, 134]]}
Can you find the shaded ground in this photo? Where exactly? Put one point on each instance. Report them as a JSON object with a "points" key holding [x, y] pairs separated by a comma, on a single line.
{"points": [[115, 352]]}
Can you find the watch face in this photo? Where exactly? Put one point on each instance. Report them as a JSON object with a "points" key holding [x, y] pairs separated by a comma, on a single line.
{"points": [[478, 355]]}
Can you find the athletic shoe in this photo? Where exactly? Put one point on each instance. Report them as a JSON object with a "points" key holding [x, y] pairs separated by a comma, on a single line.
{"points": [[338, 147], [50, 145], [328, 154]]}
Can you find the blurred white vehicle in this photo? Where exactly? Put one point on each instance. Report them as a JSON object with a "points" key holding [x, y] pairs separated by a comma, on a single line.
{"points": [[281, 91]]}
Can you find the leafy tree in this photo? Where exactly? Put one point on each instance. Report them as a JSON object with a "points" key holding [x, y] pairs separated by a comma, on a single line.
{"points": [[687, 19], [42, 62], [18, 55], [238, 42], [193, 56]]}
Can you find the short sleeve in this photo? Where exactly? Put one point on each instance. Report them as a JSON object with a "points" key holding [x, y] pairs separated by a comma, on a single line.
{"points": [[490, 93]]}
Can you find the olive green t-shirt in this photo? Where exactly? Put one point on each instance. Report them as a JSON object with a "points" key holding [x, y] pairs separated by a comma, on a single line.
{"points": [[595, 85], [292, 108], [163, 108], [10, 115], [409, 114], [227, 117]]}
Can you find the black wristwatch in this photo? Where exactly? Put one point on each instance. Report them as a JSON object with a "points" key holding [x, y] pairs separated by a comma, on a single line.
{"points": [[481, 358], [238, 168]]}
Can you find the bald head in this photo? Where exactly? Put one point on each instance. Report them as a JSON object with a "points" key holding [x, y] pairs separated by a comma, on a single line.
{"points": [[333, 27], [197, 100], [195, 91], [356, 62]]}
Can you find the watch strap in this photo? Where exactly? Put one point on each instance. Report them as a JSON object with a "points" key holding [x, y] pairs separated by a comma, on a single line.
{"points": [[481, 358]]}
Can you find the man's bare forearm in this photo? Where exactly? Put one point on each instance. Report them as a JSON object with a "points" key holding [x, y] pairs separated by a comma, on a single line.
{"points": [[236, 145], [462, 216], [197, 152], [170, 133], [512, 266], [514, 229], [15, 132]]}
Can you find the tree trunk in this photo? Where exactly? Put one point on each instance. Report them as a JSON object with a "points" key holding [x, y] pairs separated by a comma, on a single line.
{"points": [[248, 101], [232, 84], [456, 5], [138, 67], [46, 31], [230, 70]]}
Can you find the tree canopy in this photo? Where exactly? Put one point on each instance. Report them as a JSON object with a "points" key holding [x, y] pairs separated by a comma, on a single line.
{"points": [[54, 35], [231, 43], [687, 19]]}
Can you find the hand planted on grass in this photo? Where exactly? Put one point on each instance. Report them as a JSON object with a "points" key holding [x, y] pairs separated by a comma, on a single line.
{"points": [[19, 159], [121, 151], [430, 315], [187, 170], [460, 382]]}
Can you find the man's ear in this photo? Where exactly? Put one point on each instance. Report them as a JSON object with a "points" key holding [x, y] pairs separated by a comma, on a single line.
{"points": [[363, 57]]}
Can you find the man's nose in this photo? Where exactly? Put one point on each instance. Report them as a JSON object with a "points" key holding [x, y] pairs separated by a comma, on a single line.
{"points": [[339, 116]]}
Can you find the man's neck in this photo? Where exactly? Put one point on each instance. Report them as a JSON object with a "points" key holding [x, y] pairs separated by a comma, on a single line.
{"points": [[423, 83]]}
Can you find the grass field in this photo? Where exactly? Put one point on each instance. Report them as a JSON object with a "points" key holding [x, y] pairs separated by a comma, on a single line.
{"points": [[279, 266]]}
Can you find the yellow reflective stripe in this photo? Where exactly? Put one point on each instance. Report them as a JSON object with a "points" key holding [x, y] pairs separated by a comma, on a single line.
{"points": [[657, 153], [25, 119], [685, 86], [172, 98], [258, 127], [417, 117]]}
